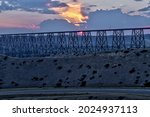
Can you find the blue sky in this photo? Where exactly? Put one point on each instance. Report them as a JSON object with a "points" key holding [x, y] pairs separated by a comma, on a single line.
{"points": [[59, 15]]}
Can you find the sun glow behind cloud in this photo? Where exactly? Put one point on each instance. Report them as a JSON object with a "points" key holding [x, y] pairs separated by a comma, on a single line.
{"points": [[72, 13]]}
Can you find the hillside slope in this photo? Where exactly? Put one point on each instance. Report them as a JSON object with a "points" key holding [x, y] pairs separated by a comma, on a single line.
{"points": [[126, 68]]}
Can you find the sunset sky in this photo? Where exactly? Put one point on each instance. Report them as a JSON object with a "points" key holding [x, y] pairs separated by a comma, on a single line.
{"points": [[59, 15]]}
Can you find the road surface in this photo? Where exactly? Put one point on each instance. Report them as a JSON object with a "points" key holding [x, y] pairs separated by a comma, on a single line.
{"points": [[76, 93]]}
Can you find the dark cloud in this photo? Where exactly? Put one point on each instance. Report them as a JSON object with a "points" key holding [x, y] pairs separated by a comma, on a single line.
{"points": [[74, 0], [57, 4], [102, 19], [130, 12], [5, 5], [92, 5], [56, 25], [138, 0], [145, 9], [40, 6]]}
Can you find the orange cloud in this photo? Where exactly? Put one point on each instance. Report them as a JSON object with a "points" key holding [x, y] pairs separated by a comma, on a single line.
{"points": [[72, 13]]}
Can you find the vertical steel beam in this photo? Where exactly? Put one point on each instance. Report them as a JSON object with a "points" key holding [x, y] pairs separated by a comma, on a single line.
{"points": [[1, 46], [86, 42], [51, 44], [118, 41], [62, 43], [73, 43], [137, 39], [101, 41]]}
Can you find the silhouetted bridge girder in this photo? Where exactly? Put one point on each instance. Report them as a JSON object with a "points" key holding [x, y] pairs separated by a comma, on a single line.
{"points": [[72, 42]]}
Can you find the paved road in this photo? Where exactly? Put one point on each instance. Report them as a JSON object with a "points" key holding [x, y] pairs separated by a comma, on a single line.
{"points": [[4, 92]]}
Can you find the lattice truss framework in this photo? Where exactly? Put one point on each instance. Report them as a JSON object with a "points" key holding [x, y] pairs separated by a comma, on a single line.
{"points": [[69, 43]]}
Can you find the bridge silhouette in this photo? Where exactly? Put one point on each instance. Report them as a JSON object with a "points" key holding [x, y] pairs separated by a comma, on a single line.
{"points": [[73, 42]]}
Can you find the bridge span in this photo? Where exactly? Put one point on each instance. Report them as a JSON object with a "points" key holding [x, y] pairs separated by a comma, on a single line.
{"points": [[73, 42]]}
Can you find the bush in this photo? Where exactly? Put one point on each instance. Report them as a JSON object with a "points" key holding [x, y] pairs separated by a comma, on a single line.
{"points": [[147, 84]]}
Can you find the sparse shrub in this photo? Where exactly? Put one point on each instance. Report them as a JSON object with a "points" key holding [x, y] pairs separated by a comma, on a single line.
{"points": [[147, 84], [5, 58], [83, 84], [147, 75], [1, 82], [81, 79], [132, 70], [114, 66], [88, 66], [116, 51], [59, 84], [84, 76], [69, 71], [94, 72], [126, 51], [136, 82], [119, 64], [40, 60], [59, 67], [137, 77], [44, 84], [106, 65], [60, 80], [144, 51], [92, 77], [145, 71], [35, 79], [67, 78], [24, 62], [137, 54], [80, 66], [13, 63], [14, 83], [41, 79], [55, 60]]}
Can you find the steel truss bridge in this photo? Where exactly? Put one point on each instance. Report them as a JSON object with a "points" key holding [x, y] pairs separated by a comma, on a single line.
{"points": [[73, 42]]}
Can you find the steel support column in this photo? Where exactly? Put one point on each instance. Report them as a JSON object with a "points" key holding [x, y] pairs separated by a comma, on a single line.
{"points": [[51, 43], [86, 42], [61, 43], [101, 41], [73, 43], [118, 41], [137, 39]]}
